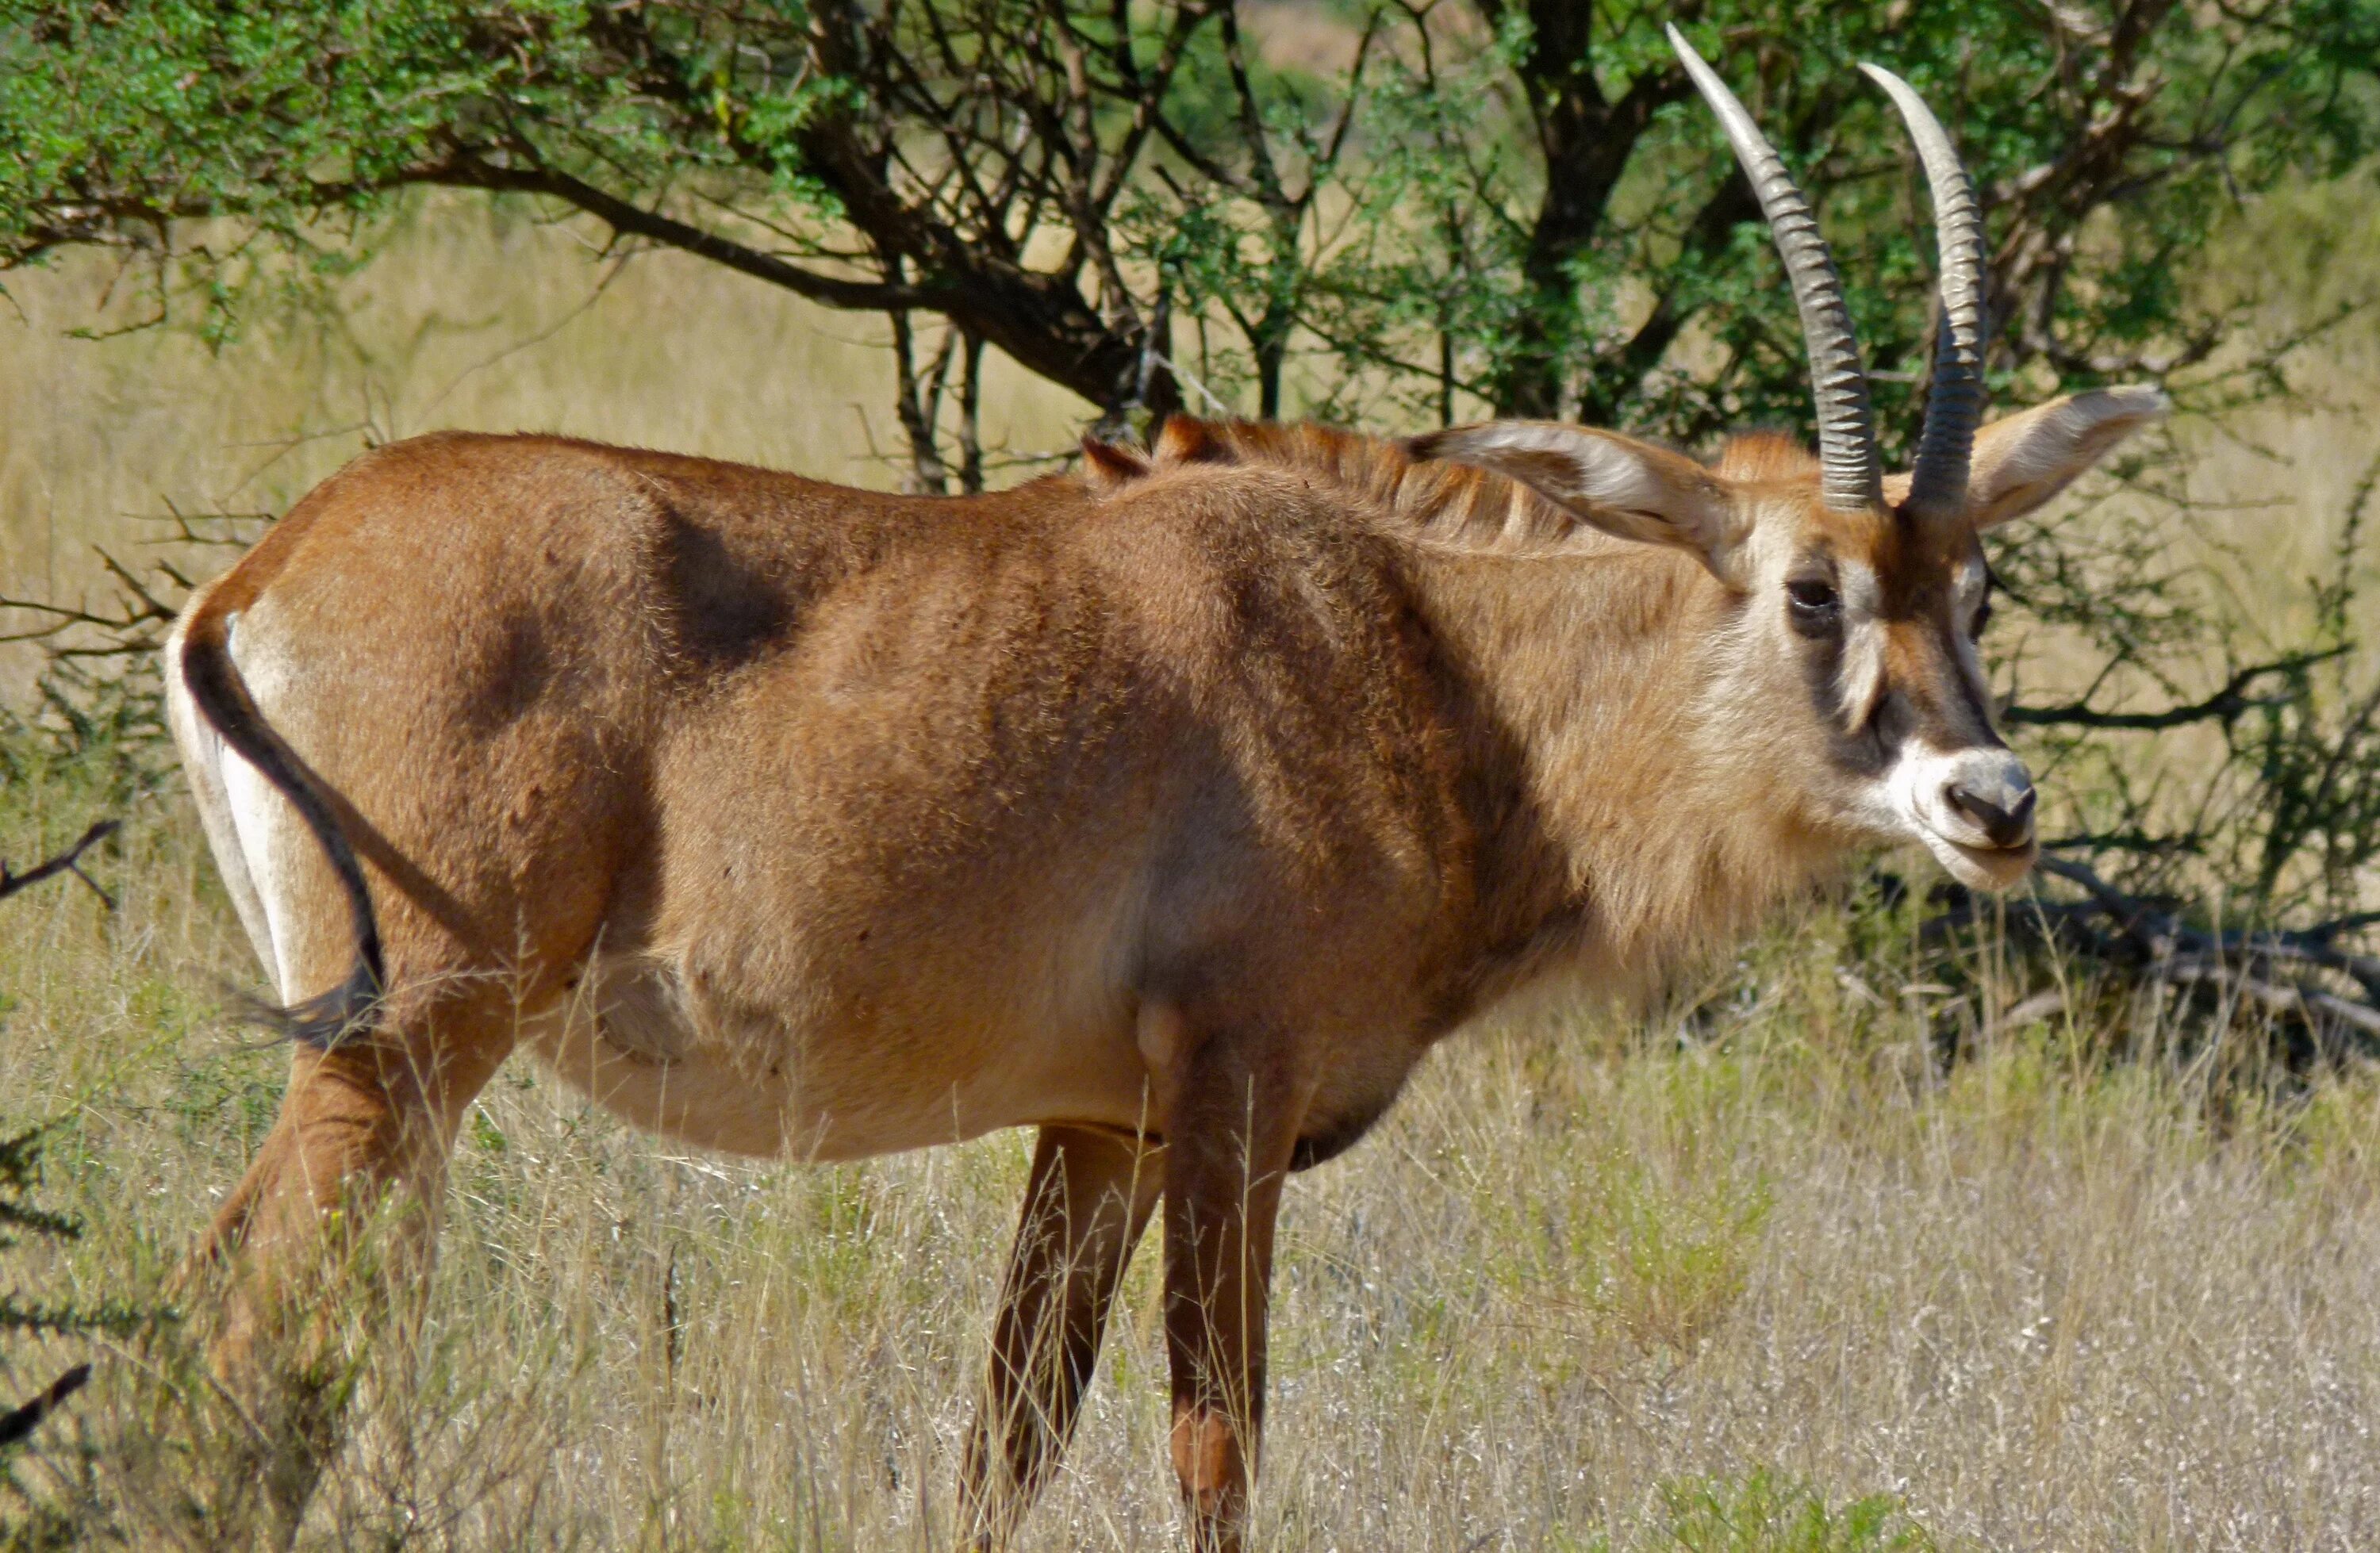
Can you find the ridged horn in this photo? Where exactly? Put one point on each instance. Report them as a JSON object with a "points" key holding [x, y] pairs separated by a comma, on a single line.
{"points": [[1954, 406], [1850, 479]]}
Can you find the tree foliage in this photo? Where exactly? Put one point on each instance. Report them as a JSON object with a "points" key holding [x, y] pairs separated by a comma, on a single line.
{"points": [[1430, 206]]}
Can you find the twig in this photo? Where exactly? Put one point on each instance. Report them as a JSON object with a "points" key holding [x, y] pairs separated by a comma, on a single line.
{"points": [[18, 1422], [67, 862], [2223, 706], [65, 619]]}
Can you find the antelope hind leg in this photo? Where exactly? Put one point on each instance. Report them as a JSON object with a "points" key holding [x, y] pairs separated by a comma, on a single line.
{"points": [[327, 1237]]}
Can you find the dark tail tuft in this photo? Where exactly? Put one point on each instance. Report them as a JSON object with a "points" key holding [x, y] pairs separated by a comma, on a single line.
{"points": [[326, 1019]]}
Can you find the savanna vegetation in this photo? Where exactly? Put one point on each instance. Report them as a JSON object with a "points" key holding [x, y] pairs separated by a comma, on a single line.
{"points": [[1927, 1221]]}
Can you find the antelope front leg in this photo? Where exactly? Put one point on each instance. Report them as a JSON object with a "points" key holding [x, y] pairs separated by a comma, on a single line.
{"points": [[1229, 1138], [1084, 1208]]}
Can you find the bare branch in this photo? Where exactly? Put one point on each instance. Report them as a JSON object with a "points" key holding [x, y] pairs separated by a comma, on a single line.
{"points": [[2224, 704], [23, 1419], [2278, 970], [67, 862], [621, 216]]}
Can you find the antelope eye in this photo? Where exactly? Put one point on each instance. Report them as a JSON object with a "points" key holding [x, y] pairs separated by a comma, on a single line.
{"points": [[1815, 607]]}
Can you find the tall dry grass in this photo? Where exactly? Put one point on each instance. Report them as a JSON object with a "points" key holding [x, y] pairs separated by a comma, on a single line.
{"points": [[1776, 1277], [2037, 1300]]}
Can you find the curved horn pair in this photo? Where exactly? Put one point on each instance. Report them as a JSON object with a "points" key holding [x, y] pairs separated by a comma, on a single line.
{"points": [[1846, 455]]}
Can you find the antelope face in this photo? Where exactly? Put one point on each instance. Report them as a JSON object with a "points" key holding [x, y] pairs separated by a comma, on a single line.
{"points": [[1883, 620], [1847, 668], [1861, 599], [1867, 625]]}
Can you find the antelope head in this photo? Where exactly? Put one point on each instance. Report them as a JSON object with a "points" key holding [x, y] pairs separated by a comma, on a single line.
{"points": [[1856, 595]]}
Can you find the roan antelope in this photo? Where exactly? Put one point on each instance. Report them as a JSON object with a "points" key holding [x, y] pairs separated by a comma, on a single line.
{"points": [[1174, 810]]}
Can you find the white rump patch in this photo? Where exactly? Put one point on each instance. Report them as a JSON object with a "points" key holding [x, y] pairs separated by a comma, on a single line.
{"points": [[245, 821]]}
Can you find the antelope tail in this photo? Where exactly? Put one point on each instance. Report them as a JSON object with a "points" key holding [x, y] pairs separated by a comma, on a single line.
{"points": [[222, 700]]}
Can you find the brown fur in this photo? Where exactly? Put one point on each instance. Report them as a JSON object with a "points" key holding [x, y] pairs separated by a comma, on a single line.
{"points": [[1177, 810]]}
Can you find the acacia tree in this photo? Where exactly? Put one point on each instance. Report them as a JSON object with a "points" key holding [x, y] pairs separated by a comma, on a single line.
{"points": [[1481, 203]]}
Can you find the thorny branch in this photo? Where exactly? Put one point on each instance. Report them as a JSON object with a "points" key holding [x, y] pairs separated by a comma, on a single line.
{"points": [[67, 862], [21, 1421], [2231, 702], [2332, 994], [995, 166]]}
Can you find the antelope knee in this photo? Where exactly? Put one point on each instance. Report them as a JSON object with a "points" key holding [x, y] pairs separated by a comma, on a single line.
{"points": [[1208, 1460]]}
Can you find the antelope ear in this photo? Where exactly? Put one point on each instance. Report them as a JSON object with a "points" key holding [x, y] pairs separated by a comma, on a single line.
{"points": [[1625, 487], [2022, 460], [1107, 466]]}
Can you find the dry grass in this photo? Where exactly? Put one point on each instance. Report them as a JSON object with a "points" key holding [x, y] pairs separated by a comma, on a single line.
{"points": [[2040, 1301], [1586, 1289]]}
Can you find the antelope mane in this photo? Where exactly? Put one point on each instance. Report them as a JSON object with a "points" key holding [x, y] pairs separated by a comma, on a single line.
{"points": [[1435, 503], [1431, 502]]}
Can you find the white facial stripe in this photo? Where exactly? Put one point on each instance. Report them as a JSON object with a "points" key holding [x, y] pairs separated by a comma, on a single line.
{"points": [[1861, 679], [1970, 668], [1967, 582], [1863, 595], [1967, 586]]}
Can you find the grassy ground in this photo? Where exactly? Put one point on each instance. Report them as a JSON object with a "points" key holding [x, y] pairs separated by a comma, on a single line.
{"points": [[1585, 1285], [1776, 1278]]}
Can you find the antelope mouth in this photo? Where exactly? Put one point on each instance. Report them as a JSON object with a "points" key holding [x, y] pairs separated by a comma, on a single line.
{"points": [[1983, 867], [1973, 809]]}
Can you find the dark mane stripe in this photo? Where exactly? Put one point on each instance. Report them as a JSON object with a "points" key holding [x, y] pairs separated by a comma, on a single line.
{"points": [[1432, 500]]}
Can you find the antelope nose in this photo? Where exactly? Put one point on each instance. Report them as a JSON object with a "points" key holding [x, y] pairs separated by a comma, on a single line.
{"points": [[2000, 804]]}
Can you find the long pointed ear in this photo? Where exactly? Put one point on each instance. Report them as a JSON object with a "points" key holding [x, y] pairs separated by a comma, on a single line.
{"points": [[2022, 460], [1625, 487]]}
